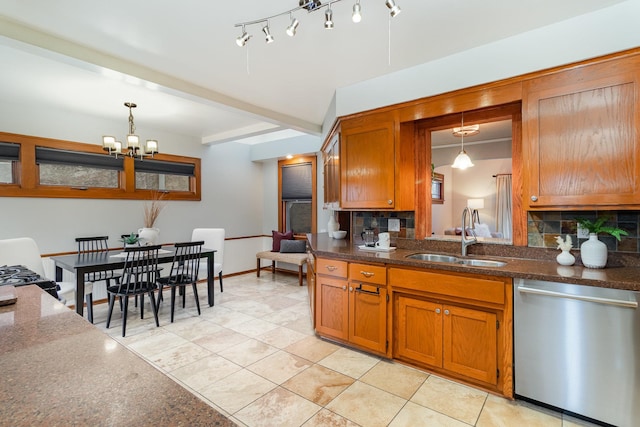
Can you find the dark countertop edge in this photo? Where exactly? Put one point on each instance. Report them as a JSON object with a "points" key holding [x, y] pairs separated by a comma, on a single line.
{"points": [[616, 277]]}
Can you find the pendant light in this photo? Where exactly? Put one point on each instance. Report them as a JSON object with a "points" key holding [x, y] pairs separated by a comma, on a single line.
{"points": [[463, 160]]}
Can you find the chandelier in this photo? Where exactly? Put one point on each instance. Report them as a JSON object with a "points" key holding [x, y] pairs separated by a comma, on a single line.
{"points": [[132, 147], [310, 6]]}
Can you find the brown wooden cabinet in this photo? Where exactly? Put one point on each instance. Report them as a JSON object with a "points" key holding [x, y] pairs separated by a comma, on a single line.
{"points": [[450, 323], [351, 303], [331, 157], [580, 129]]}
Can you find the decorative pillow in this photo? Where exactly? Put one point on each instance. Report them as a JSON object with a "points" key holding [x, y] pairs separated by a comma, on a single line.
{"points": [[293, 246], [482, 230], [278, 237]]}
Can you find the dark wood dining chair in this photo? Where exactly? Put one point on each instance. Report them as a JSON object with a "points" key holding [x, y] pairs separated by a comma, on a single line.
{"points": [[139, 277], [184, 271]]}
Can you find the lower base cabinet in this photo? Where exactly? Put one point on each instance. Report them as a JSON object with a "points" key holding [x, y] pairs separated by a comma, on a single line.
{"points": [[457, 339]]}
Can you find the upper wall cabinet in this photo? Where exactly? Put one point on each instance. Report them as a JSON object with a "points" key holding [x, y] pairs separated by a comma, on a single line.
{"points": [[331, 160], [580, 129], [374, 164]]}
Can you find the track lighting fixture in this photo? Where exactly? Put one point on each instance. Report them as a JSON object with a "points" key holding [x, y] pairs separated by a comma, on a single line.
{"points": [[310, 6], [291, 29], [328, 23], [356, 16], [395, 9], [267, 34]]}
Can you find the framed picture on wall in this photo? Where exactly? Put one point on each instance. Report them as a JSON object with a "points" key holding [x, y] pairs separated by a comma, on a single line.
{"points": [[437, 188]]}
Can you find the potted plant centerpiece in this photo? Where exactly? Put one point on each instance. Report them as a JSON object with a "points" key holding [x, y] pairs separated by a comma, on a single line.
{"points": [[131, 240], [152, 210], [593, 252]]}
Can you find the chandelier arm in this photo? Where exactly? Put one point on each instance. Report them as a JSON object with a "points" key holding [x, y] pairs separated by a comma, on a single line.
{"points": [[295, 9]]}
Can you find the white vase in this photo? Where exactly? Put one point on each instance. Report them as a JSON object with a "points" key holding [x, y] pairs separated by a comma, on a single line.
{"points": [[333, 225], [149, 236], [565, 258], [593, 252]]}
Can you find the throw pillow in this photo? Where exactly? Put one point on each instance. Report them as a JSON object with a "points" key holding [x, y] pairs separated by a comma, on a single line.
{"points": [[278, 237], [482, 230], [293, 246]]}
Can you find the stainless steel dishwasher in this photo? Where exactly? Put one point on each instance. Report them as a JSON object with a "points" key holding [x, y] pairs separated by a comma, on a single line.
{"points": [[577, 348]]}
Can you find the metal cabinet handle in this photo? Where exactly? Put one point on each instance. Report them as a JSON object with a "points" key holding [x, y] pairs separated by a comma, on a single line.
{"points": [[350, 288], [367, 273], [446, 312], [331, 267], [344, 287], [437, 311], [389, 202], [599, 300], [534, 198]]}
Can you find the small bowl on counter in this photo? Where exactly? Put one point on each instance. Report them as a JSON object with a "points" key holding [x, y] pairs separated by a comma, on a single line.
{"points": [[340, 234]]}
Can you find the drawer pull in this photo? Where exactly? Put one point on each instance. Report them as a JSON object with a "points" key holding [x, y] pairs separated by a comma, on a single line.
{"points": [[364, 291], [437, 311], [367, 273], [344, 287], [446, 312], [332, 267]]}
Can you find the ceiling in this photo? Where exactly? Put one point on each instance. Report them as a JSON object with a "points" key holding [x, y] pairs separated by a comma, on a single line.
{"points": [[179, 61]]}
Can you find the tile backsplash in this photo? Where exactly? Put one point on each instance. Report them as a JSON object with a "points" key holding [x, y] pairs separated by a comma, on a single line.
{"points": [[544, 227], [379, 221]]}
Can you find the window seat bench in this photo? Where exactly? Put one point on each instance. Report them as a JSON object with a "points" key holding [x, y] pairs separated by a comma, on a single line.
{"points": [[298, 259]]}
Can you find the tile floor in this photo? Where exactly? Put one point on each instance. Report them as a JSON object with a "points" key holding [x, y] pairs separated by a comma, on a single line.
{"points": [[254, 357]]}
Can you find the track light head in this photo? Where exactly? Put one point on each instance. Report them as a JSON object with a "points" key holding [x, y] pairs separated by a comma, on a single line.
{"points": [[328, 22], [356, 16], [243, 39], [393, 7], [291, 29], [267, 34]]}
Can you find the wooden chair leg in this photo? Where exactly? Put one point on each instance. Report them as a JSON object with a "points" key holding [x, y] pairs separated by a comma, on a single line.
{"points": [[300, 274], [258, 267], [273, 267]]}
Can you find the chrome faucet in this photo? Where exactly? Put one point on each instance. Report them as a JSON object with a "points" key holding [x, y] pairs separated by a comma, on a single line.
{"points": [[466, 213]]}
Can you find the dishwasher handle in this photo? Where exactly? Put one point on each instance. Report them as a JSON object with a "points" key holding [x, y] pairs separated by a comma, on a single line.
{"points": [[607, 301]]}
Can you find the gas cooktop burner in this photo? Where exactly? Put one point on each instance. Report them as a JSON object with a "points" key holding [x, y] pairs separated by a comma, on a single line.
{"points": [[18, 274]]}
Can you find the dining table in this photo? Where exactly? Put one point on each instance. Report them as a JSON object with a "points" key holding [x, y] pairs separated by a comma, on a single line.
{"points": [[89, 262]]}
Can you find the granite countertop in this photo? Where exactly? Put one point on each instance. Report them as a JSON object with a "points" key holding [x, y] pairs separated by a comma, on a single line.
{"points": [[58, 369], [525, 263]]}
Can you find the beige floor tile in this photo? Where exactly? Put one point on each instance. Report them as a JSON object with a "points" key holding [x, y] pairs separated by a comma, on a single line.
{"points": [[312, 348], [192, 328], [157, 343], [253, 328], [413, 415], [455, 400], [180, 356], [221, 340], [286, 317], [318, 384], [237, 390], [499, 412], [281, 337], [250, 307], [248, 352], [279, 367], [395, 378], [225, 316], [349, 362], [325, 418], [201, 373], [366, 405], [279, 408]]}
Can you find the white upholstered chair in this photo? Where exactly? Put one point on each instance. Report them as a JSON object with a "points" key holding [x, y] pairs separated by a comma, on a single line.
{"points": [[24, 251], [213, 239]]}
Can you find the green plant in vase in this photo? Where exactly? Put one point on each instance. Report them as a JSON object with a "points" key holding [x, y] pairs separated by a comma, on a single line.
{"points": [[598, 226], [593, 252], [130, 240]]}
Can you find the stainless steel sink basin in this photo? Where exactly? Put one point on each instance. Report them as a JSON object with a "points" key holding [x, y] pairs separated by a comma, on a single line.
{"points": [[482, 263], [434, 258], [455, 260]]}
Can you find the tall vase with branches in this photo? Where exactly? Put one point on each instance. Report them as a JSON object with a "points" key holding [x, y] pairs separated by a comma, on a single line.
{"points": [[152, 210]]}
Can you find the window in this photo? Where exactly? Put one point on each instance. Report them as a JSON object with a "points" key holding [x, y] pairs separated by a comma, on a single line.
{"points": [[9, 156], [41, 167], [437, 188], [297, 202]]}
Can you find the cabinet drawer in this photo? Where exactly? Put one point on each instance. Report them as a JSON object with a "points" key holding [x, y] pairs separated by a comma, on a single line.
{"points": [[331, 267], [368, 273], [479, 288]]}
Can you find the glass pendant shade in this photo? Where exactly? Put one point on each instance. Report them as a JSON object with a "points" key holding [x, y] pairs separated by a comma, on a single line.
{"points": [[462, 161]]}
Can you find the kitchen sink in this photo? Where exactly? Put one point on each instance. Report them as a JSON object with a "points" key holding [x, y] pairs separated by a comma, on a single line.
{"points": [[434, 258], [450, 259], [482, 263]]}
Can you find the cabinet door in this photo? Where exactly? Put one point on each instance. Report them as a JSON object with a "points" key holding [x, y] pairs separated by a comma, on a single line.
{"points": [[368, 164], [368, 316], [580, 136], [470, 343], [418, 330], [332, 173], [332, 307]]}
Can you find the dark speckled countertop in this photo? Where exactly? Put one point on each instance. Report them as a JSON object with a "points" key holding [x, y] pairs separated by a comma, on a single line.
{"points": [[59, 370], [526, 263]]}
